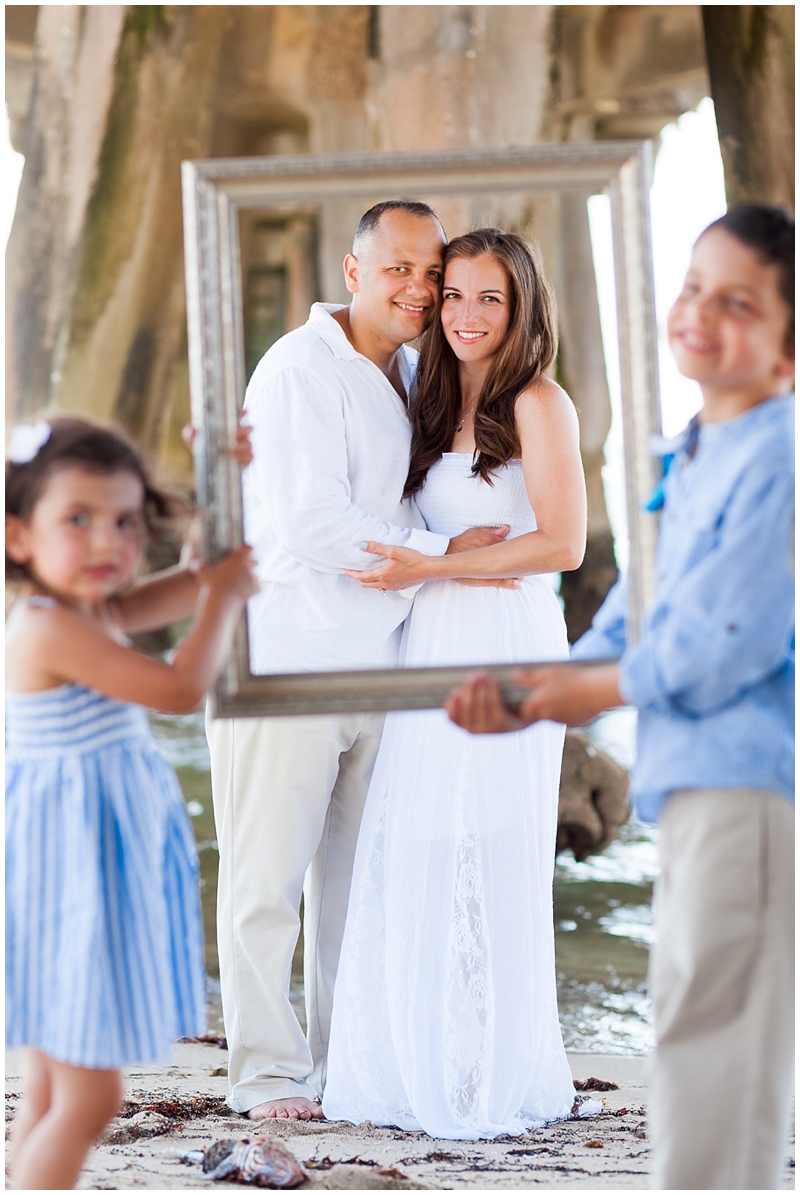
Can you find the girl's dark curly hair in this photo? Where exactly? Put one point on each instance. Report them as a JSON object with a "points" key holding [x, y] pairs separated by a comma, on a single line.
{"points": [[77, 443], [524, 356]]}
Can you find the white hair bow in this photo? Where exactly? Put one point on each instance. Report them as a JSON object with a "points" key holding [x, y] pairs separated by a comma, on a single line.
{"points": [[27, 439]]}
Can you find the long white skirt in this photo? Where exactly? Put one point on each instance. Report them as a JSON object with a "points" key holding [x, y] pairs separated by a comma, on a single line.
{"points": [[445, 1016]]}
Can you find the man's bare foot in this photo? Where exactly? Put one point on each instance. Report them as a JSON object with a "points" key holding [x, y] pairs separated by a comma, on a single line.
{"points": [[294, 1108]]}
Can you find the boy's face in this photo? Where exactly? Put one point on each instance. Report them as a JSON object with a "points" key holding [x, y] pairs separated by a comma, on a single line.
{"points": [[727, 328]]}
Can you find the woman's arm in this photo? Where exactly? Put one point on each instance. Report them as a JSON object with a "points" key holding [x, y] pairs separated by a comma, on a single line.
{"points": [[60, 645], [548, 430]]}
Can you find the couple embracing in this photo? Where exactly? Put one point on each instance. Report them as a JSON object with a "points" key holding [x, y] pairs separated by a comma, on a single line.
{"points": [[402, 511]]}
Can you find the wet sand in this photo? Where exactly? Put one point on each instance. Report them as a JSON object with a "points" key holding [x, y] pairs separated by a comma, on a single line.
{"points": [[143, 1148]]}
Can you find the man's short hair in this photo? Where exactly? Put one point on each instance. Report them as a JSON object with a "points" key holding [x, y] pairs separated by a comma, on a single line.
{"points": [[370, 220]]}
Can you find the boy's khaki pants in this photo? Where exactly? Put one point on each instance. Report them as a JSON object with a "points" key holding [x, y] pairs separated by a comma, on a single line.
{"points": [[288, 798], [722, 976]]}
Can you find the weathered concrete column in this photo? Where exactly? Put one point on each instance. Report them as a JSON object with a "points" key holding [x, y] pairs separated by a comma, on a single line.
{"points": [[582, 363], [750, 51], [121, 96], [61, 139]]}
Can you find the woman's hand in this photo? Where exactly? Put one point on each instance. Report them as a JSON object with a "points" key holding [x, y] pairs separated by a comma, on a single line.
{"points": [[403, 568]]}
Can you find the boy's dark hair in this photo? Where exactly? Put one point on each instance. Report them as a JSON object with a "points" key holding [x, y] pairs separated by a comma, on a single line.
{"points": [[370, 220], [77, 443], [769, 232]]}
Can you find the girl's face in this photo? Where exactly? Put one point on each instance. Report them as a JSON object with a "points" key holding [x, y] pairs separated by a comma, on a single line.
{"points": [[476, 308], [85, 535], [728, 325]]}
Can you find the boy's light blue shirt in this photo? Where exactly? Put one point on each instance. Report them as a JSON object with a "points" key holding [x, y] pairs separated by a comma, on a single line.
{"points": [[713, 674]]}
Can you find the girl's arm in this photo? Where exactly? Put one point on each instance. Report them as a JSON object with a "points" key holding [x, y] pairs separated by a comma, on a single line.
{"points": [[548, 430], [157, 600], [60, 645], [167, 596]]}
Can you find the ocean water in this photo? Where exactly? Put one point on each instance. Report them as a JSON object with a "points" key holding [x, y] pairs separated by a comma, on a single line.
{"points": [[602, 907]]}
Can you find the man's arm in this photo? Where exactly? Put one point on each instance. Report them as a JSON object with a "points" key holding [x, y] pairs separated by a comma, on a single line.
{"points": [[301, 473]]}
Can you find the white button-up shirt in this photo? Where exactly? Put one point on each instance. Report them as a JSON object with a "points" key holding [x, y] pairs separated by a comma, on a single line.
{"points": [[331, 440]]}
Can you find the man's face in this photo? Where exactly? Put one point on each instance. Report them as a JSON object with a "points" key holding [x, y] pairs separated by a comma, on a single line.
{"points": [[397, 276]]}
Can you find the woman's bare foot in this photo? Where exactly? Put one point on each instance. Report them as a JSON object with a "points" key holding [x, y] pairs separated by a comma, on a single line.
{"points": [[294, 1108]]}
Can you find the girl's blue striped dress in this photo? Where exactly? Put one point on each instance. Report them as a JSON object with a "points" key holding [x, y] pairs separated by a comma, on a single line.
{"points": [[104, 939]]}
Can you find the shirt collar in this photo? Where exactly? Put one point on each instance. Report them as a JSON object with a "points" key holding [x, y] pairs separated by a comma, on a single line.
{"points": [[710, 433], [331, 331]]}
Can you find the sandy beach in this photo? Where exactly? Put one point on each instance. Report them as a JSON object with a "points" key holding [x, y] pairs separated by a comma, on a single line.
{"points": [[179, 1107]]}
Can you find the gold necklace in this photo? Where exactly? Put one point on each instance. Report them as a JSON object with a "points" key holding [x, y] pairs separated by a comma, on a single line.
{"points": [[460, 424]]}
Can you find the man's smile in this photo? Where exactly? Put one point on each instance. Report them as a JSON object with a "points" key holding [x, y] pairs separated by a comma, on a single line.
{"points": [[413, 308]]}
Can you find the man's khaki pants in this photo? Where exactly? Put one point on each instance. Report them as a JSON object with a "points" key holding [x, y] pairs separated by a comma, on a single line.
{"points": [[722, 976], [288, 798]]}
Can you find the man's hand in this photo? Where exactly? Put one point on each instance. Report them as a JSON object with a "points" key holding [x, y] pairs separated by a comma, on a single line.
{"points": [[492, 582], [572, 695], [477, 537]]}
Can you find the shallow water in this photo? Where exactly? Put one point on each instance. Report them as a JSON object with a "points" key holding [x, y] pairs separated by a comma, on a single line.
{"points": [[602, 907]]}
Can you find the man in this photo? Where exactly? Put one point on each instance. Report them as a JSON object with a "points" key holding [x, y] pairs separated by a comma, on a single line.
{"points": [[328, 405]]}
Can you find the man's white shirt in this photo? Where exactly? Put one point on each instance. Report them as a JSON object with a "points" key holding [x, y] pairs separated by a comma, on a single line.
{"points": [[331, 440]]}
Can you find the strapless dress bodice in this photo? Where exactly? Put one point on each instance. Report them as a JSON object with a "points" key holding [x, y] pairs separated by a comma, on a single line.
{"points": [[453, 498]]}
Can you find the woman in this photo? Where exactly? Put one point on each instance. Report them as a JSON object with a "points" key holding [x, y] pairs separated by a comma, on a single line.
{"points": [[445, 1015]]}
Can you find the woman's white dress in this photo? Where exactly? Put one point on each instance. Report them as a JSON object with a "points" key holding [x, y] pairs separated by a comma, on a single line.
{"points": [[445, 1016]]}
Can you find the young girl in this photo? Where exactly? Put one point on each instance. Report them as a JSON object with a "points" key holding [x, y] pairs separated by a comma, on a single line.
{"points": [[103, 929]]}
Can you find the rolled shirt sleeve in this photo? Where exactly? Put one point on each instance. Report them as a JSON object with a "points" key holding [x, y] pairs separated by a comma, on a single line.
{"points": [[606, 637], [301, 465], [726, 624]]}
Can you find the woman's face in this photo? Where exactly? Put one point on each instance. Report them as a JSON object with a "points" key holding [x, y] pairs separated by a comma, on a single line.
{"points": [[476, 307]]}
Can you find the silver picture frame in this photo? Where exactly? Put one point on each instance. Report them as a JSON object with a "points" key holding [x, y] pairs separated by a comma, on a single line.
{"points": [[215, 191]]}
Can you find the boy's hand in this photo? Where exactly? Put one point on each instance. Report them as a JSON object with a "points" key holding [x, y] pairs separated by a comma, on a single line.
{"points": [[477, 706], [570, 695]]}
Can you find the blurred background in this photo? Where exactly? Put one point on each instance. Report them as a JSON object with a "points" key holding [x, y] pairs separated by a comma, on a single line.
{"points": [[105, 101]]}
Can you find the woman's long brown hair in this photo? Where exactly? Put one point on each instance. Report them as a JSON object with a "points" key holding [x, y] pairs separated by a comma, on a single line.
{"points": [[524, 356]]}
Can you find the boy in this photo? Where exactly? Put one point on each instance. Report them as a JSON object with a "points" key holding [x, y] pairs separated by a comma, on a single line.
{"points": [[712, 678]]}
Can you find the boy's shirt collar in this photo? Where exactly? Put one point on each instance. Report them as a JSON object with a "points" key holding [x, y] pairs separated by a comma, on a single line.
{"points": [[687, 442]]}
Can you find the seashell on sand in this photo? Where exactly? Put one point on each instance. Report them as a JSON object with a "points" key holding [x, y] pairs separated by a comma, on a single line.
{"points": [[259, 1161]]}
